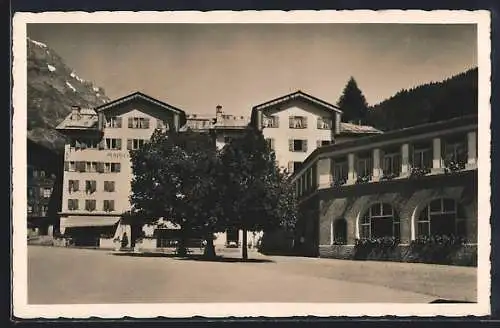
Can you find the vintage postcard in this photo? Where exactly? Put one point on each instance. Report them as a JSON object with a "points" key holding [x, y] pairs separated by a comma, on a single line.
{"points": [[243, 164]]}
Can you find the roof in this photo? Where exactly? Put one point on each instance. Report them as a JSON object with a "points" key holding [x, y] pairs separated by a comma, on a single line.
{"points": [[138, 95], [299, 94], [350, 128], [87, 119]]}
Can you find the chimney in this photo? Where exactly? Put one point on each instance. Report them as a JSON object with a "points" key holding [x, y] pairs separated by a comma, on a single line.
{"points": [[218, 114], [75, 112]]}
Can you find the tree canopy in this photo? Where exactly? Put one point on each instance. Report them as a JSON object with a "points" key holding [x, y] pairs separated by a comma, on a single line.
{"points": [[353, 103]]}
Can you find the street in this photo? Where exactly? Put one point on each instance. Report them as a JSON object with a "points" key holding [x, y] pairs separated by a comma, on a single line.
{"points": [[79, 276]]}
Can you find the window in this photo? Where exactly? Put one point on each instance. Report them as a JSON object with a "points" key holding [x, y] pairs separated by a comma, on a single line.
{"points": [[70, 166], [270, 143], [297, 145], [108, 205], [293, 166], [90, 205], [422, 158], [162, 125], [47, 192], [114, 122], [324, 123], [340, 171], [392, 164], [364, 167], [133, 144], [114, 144], [138, 122], [90, 166], [42, 174], [73, 185], [271, 121], [379, 221], [90, 186], [30, 209], [340, 231], [456, 151], [297, 122], [31, 192], [112, 167], [109, 186], [72, 204], [321, 143], [441, 217], [43, 210]]}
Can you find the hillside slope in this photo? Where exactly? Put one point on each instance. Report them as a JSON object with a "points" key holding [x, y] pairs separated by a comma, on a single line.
{"points": [[53, 88], [436, 101]]}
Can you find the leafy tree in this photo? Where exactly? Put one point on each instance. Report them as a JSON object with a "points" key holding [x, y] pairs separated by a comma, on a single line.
{"points": [[175, 178], [257, 195], [353, 103]]}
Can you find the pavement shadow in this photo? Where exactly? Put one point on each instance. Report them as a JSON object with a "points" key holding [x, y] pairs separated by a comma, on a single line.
{"points": [[448, 301], [194, 257]]}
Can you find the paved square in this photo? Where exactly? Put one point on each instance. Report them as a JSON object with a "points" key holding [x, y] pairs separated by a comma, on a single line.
{"points": [[63, 275]]}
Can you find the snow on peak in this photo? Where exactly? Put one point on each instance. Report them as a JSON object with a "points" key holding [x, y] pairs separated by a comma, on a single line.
{"points": [[96, 89], [51, 68], [70, 86], [40, 44], [73, 75], [98, 94]]}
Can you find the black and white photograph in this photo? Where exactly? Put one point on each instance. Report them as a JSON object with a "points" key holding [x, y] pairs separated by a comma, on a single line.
{"points": [[271, 164]]}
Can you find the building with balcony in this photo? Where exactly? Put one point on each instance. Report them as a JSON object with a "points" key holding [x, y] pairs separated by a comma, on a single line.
{"points": [[97, 168], [44, 176], [405, 184], [296, 124]]}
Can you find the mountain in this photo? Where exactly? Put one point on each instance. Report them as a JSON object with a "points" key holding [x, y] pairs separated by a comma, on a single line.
{"points": [[432, 102], [53, 88]]}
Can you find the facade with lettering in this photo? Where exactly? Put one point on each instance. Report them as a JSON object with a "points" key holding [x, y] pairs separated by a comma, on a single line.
{"points": [[296, 124], [408, 184], [97, 168]]}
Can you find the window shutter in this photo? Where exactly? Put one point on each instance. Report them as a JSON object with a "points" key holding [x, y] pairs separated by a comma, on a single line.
{"points": [[111, 186], [304, 122], [146, 123], [118, 122], [304, 145], [76, 185], [75, 203], [130, 122], [290, 144], [111, 205], [66, 166], [119, 144], [290, 167], [290, 122], [94, 185], [129, 144]]}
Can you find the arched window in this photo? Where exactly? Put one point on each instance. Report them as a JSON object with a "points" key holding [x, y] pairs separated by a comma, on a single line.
{"points": [[379, 221], [442, 216]]}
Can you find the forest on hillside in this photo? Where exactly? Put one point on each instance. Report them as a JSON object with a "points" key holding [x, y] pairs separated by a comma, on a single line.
{"points": [[432, 102]]}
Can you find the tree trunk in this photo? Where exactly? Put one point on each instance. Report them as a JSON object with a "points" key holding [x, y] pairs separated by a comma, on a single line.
{"points": [[244, 249], [209, 251], [181, 247]]}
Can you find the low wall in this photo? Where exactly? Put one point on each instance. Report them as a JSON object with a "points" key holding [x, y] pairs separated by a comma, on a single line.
{"points": [[107, 243], [146, 244], [465, 255]]}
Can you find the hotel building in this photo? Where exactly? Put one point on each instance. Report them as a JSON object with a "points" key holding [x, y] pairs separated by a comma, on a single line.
{"points": [[97, 168], [409, 183]]}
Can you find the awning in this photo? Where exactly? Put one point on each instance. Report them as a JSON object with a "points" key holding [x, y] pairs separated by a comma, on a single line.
{"points": [[88, 221]]}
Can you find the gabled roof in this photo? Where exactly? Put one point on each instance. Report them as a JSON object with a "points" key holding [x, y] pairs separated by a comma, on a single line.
{"points": [[138, 95], [299, 94]]}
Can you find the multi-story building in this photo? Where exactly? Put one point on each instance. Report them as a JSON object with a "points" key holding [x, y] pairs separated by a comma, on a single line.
{"points": [[296, 124], [97, 168], [44, 175], [418, 181]]}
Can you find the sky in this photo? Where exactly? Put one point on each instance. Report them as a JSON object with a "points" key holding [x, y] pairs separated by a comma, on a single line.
{"points": [[198, 66]]}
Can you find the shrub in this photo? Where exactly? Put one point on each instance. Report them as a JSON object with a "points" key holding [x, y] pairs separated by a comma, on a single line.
{"points": [[438, 249], [375, 248], [363, 179], [417, 172], [339, 183], [452, 166], [389, 176]]}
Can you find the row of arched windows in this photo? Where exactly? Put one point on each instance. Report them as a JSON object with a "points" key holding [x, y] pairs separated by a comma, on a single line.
{"points": [[441, 216]]}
